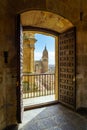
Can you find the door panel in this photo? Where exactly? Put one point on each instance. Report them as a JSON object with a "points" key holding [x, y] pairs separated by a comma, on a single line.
{"points": [[67, 68], [19, 42]]}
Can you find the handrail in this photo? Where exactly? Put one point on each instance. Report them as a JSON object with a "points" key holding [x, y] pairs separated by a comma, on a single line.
{"points": [[35, 85], [25, 73]]}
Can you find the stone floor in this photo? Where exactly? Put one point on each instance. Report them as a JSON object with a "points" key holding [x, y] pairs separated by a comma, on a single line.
{"points": [[55, 117]]}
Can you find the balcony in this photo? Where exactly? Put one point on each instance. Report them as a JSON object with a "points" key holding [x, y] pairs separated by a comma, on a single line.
{"points": [[38, 88]]}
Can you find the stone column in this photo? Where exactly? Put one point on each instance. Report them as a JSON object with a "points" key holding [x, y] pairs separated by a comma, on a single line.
{"points": [[26, 56], [32, 42], [28, 52]]}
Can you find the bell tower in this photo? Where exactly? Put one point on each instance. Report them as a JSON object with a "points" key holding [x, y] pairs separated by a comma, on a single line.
{"points": [[45, 60]]}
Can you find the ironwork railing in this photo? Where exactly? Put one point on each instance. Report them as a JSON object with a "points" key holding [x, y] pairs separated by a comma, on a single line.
{"points": [[36, 85]]}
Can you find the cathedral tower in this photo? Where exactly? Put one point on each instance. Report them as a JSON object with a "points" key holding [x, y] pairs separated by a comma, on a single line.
{"points": [[45, 60]]}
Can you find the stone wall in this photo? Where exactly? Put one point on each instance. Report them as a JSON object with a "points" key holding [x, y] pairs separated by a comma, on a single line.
{"points": [[7, 70], [81, 65]]}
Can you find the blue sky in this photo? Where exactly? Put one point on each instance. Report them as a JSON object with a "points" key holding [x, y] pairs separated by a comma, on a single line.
{"points": [[42, 41]]}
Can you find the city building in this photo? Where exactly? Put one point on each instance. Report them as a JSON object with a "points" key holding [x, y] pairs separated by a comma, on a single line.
{"points": [[41, 66]]}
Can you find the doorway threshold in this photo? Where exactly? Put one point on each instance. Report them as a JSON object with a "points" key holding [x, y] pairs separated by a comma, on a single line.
{"points": [[40, 105], [37, 102]]}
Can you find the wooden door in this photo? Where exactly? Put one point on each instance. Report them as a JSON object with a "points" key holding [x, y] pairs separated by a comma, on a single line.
{"points": [[19, 45], [67, 90]]}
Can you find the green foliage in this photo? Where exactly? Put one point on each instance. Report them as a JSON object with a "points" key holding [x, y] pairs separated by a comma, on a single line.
{"points": [[29, 87]]}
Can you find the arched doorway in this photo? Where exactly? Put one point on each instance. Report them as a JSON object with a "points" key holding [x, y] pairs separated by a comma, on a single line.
{"points": [[65, 51]]}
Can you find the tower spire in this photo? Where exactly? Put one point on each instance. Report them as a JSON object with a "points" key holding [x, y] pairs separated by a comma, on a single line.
{"points": [[45, 48]]}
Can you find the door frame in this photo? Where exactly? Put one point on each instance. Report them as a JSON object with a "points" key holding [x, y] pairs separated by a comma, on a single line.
{"points": [[54, 34], [18, 85], [19, 112]]}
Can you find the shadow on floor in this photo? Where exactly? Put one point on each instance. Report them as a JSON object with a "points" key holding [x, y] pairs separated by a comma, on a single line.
{"points": [[12, 127], [55, 117], [83, 112]]}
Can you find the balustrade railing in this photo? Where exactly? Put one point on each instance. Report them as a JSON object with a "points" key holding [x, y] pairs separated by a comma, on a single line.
{"points": [[36, 85]]}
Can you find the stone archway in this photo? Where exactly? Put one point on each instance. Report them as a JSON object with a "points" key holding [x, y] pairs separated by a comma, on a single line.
{"points": [[39, 19], [46, 20], [42, 20]]}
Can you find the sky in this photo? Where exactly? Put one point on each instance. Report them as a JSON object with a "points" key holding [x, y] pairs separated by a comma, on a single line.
{"points": [[42, 41]]}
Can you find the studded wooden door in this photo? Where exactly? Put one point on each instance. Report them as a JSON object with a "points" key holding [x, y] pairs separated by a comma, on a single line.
{"points": [[19, 45], [67, 89]]}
